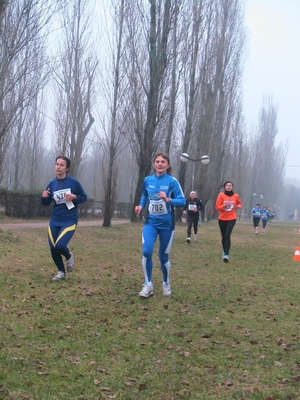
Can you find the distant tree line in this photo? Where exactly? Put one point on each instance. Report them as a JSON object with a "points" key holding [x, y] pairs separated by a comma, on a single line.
{"points": [[111, 82]]}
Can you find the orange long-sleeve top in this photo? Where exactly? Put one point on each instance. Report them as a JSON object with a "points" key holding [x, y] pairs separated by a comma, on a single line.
{"points": [[227, 205]]}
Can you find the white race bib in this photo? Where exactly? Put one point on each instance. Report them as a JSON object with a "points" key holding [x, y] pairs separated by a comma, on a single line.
{"points": [[157, 207], [192, 207], [59, 197], [228, 205]]}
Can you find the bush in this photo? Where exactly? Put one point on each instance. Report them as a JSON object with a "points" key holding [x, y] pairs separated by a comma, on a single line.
{"points": [[23, 204], [28, 205]]}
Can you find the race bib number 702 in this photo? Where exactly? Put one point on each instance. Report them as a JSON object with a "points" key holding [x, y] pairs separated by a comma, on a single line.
{"points": [[157, 207]]}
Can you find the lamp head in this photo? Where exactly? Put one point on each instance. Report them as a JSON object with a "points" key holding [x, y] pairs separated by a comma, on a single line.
{"points": [[204, 160], [184, 157]]}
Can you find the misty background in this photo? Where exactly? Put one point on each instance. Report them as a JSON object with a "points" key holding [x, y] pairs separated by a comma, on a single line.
{"points": [[272, 67], [110, 83]]}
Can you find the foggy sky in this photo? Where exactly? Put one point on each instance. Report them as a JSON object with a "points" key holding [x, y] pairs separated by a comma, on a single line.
{"points": [[273, 69]]}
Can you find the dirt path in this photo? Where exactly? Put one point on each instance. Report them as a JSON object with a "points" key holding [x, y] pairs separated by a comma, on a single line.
{"points": [[44, 224]]}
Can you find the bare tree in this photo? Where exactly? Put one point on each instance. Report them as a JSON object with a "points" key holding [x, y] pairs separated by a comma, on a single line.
{"points": [[23, 27], [171, 81], [194, 29], [219, 96], [114, 133], [173, 87], [35, 146], [268, 159], [146, 81], [3, 4], [75, 78], [31, 83]]}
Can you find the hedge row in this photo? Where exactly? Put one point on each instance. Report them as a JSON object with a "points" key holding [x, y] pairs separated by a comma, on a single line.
{"points": [[28, 205]]}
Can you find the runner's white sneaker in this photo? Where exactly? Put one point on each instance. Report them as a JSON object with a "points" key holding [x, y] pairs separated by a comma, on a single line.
{"points": [[195, 237], [188, 240], [70, 262], [147, 290], [59, 276], [166, 290]]}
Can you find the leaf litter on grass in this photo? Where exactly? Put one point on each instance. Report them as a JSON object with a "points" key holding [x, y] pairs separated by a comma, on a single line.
{"points": [[228, 331]]}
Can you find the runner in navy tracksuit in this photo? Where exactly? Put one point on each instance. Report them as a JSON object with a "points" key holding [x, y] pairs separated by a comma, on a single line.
{"points": [[161, 192], [66, 192], [192, 211]]}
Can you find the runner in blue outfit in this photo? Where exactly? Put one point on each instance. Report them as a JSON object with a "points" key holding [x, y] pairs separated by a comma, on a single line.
{"points": [[256, 213], [265, 215], [161, 192], [66, 192]]}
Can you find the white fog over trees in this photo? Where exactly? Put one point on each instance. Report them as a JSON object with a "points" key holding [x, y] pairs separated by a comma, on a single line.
{"points": [[109, 83]]}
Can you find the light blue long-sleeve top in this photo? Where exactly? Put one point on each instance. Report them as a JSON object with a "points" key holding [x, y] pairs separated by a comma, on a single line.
{"points": [[160, 214]]}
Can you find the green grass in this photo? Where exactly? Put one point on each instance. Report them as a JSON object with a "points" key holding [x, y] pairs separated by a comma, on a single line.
{"points": [[229, 331]]}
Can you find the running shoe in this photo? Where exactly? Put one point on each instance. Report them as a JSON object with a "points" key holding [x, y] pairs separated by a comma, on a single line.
{"points": [[225, 258], [70, 263], [59, 276], [147, 290], [166, 289], [188, 240]]}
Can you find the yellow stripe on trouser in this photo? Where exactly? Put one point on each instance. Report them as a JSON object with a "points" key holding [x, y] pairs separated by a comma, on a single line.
{"points": [[67, 229]]}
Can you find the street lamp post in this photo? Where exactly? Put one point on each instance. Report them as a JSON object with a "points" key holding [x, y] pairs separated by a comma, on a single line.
{"points": [[261, 196], [257, 196], [185, 158]]}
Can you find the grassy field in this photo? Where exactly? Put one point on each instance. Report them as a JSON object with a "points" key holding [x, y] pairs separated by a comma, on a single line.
{"points": [[229, 331]]}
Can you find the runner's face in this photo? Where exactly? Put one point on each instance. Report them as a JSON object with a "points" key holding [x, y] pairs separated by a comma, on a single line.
{"points": [[160, 165], [228, 186], [61, 168]]}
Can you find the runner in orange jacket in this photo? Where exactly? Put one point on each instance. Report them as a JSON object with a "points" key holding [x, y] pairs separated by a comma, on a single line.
{"points": [[227, 202]]}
